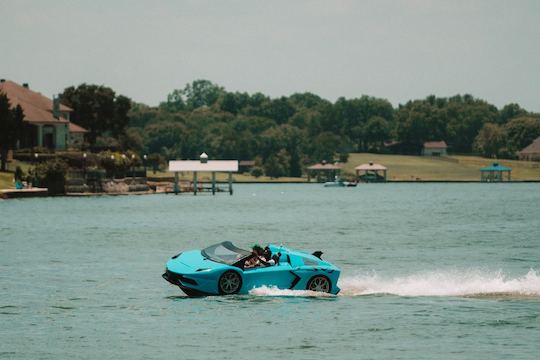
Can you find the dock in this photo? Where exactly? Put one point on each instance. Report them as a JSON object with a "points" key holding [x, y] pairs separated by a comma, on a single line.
{"points": [[23, 193]]}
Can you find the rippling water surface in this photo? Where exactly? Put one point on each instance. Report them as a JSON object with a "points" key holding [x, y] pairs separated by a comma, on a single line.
{"points": [[428, 271]]}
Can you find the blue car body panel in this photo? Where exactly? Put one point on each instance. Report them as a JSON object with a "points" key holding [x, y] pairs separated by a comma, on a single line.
{"points": [[198, 275]]}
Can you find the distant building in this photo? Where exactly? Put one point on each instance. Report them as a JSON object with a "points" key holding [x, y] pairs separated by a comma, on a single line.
{"points": [[48, 119], [371, 172], [434, 148], [323, 171], [531, 152], [245, 165]]}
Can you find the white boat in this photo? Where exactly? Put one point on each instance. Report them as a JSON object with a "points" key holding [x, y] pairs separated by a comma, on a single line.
{"points": [[339, 183]]}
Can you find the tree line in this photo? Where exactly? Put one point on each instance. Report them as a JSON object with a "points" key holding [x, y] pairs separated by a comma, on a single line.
{"points": [[284, 134]]}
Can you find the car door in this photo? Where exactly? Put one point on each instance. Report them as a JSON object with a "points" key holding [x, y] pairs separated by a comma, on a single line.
{"points": [[279, 276]]}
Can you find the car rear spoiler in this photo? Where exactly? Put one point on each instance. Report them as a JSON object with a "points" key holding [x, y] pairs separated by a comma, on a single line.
{"points": [[317, 254]]}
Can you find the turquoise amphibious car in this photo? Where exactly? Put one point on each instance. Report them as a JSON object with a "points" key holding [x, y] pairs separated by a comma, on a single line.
{"points": [[224, 269]]}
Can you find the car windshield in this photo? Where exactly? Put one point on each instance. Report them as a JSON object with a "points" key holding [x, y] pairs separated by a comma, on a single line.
{"points": [[225, 253]]}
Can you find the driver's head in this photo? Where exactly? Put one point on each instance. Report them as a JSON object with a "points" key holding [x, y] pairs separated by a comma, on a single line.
{"points": [[257, 249], [267, 253]]}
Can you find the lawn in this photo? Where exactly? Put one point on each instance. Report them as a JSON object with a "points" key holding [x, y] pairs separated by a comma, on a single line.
{"points": [[458, 168], [400, 168], [6, 178]]}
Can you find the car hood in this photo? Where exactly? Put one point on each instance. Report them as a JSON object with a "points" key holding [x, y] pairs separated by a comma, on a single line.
{"points": [[191, 261]]}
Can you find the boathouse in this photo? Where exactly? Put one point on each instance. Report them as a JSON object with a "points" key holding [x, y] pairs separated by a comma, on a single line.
{"points": [[199, 166], [371, 172], [495, 173], [323, 171]]}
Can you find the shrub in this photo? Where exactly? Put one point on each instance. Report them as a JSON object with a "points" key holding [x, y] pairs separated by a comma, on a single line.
{"points": [[257, 171], [52, 174], [116, 164], [343, 157]]}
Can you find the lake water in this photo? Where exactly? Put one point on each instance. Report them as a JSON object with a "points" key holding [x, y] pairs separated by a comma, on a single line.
{"points": [[448, 271]]}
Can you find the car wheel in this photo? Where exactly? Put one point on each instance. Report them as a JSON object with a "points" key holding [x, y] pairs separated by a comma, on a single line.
{"points": [[229, 283], [319, 284]]}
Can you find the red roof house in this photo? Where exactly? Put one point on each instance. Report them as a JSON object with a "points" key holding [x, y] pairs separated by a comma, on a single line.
{"points": [[49, 120]]}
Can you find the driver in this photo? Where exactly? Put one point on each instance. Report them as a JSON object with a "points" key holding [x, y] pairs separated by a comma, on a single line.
{"points": [[261, 257], [269, 258]]}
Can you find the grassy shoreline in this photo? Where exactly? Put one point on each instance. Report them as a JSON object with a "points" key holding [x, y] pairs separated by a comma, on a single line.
{"points": [[445, 169], [401, 169]]}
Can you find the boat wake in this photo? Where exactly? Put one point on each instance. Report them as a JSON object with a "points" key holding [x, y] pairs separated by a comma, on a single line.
{"points": [[465, 283], [274, 291]]}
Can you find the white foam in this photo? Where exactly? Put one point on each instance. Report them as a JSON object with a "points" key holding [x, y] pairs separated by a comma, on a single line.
{"points": [[274, 291], [433, 283], [443, 283]]}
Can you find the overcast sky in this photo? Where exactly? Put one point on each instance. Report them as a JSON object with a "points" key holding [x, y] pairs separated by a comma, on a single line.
{"points": [[397, 49]]}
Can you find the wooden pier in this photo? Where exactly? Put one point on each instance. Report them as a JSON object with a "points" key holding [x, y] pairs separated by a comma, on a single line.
{"points": [[202, 165]]}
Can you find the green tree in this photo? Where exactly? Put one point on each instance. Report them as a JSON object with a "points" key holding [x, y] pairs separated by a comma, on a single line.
{"points": [[277, 165], [348, 113], [376, 131], [132, 139], [510, 111], [490, 140], [324, 147], [11, 125], [521, 131], [195, 95], [166, 138], [175, 101], [118, 123], [279, 110], [233, 102], [98, 109], [466, 116], [456, 120], [257, 171], [357, 136], [307, 101], [414, 123], [52, 175]]}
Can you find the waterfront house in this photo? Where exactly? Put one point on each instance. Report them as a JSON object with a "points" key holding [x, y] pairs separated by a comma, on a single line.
{"points": [[495, 173], [76, 136], [531, 152], [48, 120], [434, 148]]}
